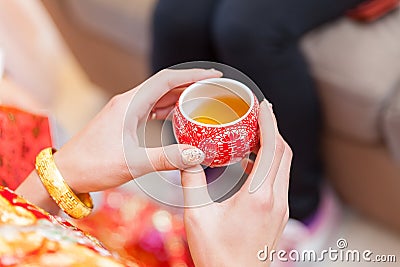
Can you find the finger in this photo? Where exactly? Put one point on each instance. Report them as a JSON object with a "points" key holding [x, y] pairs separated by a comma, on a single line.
{"points": [[166, 158], [267, 158], [179, 78], [281, 185], [163, 108], [184, 86], [278, 237], [294, 232], [194, 184], [142, 99], [256, 149]]}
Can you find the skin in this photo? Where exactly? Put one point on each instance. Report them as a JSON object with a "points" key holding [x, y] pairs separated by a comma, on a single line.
{"points": [[259, 217], [94, 160]]}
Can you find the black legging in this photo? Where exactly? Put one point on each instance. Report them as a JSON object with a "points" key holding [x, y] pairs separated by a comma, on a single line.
{"points": [[260, 38]]}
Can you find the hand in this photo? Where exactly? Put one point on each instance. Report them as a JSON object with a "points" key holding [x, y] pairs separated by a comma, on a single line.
{"points": [[232, 232], [94, 159]]}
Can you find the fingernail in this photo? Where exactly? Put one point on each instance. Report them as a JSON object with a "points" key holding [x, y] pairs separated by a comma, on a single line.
{"points": [[192, 156]]}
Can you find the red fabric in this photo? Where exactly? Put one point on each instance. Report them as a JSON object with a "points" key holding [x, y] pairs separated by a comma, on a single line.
{"points": [[22, 136], [372, 9]]}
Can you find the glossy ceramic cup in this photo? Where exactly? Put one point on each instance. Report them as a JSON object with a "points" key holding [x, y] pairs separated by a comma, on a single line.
{"points": [[223, 144]]}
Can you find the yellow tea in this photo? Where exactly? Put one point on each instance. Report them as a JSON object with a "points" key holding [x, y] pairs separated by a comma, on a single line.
{"points": [[220, 110]]}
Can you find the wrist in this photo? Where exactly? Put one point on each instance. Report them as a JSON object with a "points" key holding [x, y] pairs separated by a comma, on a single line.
{"points": [[85, 168]]}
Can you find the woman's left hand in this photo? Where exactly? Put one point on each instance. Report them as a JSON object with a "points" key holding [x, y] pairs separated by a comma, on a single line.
{"points": [[94, 159]]}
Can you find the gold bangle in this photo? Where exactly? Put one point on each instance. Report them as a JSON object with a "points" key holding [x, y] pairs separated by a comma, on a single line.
{"points": [[76, 206]]}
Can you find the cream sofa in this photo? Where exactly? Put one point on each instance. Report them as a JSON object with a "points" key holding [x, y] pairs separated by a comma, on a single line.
{"points": [[357, 70]]}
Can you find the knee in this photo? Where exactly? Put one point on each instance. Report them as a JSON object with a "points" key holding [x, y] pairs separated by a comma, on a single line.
{"points": [[238, 32]]}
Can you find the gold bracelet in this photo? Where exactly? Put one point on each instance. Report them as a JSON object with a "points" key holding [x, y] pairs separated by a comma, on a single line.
{"points": [[76, 206]]}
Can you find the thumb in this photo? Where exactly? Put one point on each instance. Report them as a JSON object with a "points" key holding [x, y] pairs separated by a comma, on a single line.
{"points": [[194, 184], [173, 157]]}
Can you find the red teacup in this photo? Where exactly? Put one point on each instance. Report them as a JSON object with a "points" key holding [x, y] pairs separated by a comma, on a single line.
{"points": [[220, 117]]}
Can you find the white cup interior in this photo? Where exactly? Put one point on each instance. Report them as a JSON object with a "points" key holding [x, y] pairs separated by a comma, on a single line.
{"points": [[199, 92]]}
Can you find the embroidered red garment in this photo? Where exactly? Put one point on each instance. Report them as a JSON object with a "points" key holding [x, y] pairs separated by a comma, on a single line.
{"points": [[22, 136]]}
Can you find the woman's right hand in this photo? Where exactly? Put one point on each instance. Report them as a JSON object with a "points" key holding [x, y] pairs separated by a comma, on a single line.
{"points": [[232, 232]]}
